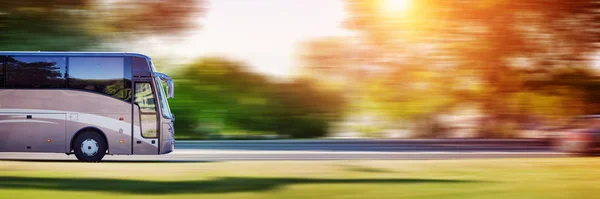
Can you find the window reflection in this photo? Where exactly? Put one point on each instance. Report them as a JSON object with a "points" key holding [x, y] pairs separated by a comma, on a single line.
{"points": [[2, 59], [149, 126], [144, 97], [164, 105], [100, 74], [35, 72]]}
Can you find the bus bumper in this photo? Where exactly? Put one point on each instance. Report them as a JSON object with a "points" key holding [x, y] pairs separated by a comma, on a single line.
{"points": [[167, 146]]}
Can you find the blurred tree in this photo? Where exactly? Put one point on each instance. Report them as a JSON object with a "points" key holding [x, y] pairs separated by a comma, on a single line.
{"points": [[143, 16], [330, 60], [304, 110], [435, 53], [60, 25], [42, 25], [216, 96]]}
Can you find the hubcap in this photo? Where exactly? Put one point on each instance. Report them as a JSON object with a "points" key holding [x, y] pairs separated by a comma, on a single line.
{"points": [[89, 147]]}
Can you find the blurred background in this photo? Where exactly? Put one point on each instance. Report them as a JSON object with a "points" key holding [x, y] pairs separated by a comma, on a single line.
{"points": [[274, 69]]}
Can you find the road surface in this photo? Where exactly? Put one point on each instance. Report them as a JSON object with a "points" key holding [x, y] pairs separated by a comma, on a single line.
{"points": [[198, 151]]}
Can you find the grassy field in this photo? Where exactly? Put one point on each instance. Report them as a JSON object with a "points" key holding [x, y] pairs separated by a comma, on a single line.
{"points": [[494, 178]]}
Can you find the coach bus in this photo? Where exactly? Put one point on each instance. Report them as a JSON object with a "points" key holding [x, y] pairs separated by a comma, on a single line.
{"points": [[84, 103]]}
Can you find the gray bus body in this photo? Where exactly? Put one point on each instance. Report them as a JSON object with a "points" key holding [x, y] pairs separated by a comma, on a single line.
{"points": [[48, 98]]}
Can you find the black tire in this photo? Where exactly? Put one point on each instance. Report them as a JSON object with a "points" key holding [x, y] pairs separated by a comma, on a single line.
{"points": [[92, 139]]}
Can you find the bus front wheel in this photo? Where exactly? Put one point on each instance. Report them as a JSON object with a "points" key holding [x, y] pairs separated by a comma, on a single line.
{"points": [[89, 147]]}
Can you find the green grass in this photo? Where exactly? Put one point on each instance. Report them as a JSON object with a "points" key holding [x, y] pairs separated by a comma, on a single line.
{"points": [[494, 178]]}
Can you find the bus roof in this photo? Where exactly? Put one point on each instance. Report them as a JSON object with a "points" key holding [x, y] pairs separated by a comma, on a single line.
{"points": [[92, 54]]}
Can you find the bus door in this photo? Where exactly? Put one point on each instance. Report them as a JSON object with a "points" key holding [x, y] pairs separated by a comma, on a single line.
{"points": [[145, 117]]}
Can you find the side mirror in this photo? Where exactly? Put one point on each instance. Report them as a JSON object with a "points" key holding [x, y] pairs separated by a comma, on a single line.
{"points": [[170, 89], [169, 82]]}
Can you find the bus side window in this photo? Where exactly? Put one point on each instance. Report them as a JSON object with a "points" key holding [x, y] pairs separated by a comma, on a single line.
{"points": [[104, 75], [2, 60], [144, 97], [35, 72]]}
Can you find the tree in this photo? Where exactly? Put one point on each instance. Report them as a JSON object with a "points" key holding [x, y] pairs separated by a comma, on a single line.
{"points": [[60, 25], [440, 53], [216, 96], [145, 17]]}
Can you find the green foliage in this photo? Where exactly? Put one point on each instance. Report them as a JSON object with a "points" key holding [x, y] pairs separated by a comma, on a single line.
{"points": [[216, 96], [32, 27], [72, 25]]}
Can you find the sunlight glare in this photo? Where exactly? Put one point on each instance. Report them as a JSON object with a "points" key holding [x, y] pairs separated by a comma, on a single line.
{"points": [[395, 5]]}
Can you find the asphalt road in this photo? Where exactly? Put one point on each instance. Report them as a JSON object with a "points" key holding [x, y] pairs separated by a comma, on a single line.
{"points": [[199, 151]]}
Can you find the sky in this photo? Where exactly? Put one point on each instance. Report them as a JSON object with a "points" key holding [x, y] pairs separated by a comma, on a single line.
{"points": [[264, 34]]}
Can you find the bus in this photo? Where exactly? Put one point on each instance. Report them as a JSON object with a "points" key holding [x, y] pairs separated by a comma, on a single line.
{"points": [[84, 103]]}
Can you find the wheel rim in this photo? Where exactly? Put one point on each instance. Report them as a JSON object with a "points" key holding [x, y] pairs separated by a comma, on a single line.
{"points": [[89, 147]]}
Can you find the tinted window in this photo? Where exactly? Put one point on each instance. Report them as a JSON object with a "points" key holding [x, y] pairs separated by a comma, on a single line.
{"points": [[140, 67], [35, 72], [2, 59], [106, 75]]}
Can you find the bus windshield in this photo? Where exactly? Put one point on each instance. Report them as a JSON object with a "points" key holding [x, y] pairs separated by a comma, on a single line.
{"points": [[164, 104]]}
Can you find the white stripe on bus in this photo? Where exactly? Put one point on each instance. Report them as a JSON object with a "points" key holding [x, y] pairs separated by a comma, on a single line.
{"points": [[25, 121]]}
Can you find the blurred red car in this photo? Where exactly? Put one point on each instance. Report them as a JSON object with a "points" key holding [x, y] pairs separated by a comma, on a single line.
{"points": [[582, 136]]}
